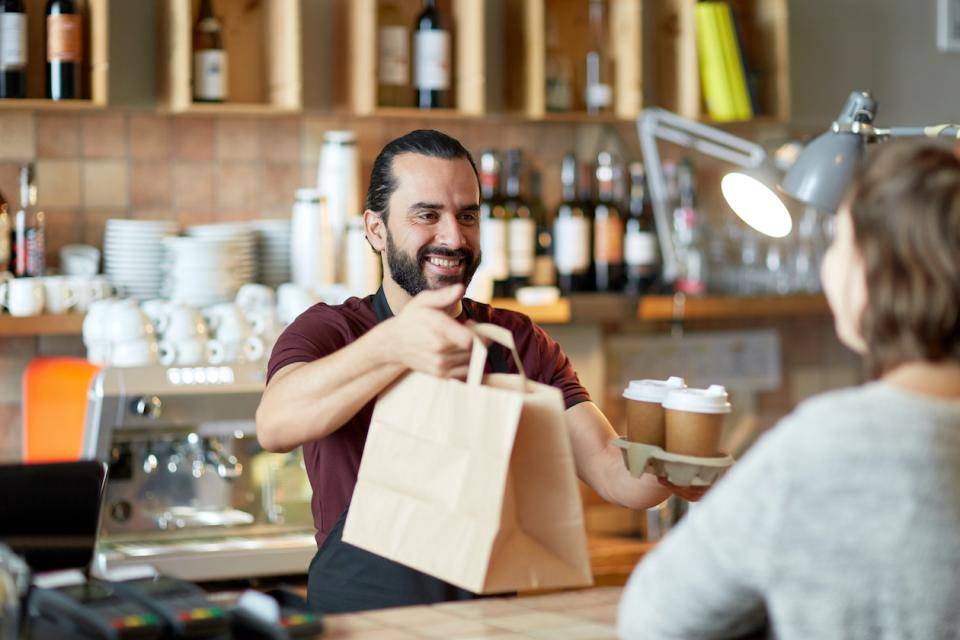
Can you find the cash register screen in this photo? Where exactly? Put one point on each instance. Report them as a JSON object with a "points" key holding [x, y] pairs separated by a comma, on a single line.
{"points": [[50, 513]]}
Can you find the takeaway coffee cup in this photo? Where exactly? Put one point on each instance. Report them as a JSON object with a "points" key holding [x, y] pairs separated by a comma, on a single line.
{"points": [[645, 413], [694, 420]]}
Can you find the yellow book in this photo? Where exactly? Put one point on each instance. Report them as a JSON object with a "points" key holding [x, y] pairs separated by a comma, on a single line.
{"points": [[733, 61], [713, 74]]}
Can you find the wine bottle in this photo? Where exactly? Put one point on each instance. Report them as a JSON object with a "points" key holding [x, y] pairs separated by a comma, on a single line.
{"points": [[209, 57], [640, 248], [64, 49], [571, 233], [494, 224], [431, 47], [13, 49], [607, 229], [523, 228], [393, 68], [544, 274], [599, 74], [29, 229]]}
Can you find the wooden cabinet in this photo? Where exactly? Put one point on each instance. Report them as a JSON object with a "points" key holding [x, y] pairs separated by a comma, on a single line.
{"points": [[94, 83], [674, 81], [466, 21], [262, 41]]}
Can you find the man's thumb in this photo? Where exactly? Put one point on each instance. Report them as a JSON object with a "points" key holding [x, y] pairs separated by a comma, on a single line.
{"points": [[440, 298]]}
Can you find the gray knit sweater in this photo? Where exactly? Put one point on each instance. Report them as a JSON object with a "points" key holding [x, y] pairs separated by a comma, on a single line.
{"points": [[842, 522]]}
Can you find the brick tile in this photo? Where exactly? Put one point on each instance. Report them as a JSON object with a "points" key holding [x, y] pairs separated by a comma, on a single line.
{"points": [[192, 187], [238, 187], [63, 227], [150, 186], [106, 183], [238, 139], [58, 183], [149, 137], [190, 217], [58, 136], [280, 140], [193, 139], [94, 222], [17, 134], [10, 183], [280, 182], [312, 140], [104, 136]]}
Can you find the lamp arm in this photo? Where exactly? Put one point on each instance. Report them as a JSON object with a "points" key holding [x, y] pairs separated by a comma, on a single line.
{"points": [[659, 124], [932, 131]]}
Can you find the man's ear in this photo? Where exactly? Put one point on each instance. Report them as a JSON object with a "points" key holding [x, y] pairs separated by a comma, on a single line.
{"points": [[376, 230]]}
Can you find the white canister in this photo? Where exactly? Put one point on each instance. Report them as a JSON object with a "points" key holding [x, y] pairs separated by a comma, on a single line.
{"points": [[362, 263], [338, 180], [312, 256]]}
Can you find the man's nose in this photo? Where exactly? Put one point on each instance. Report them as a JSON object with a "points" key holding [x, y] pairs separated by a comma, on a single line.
{"points": [[449, 232]]}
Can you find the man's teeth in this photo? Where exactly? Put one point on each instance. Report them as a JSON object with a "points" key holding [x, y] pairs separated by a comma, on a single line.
{"points": [[440, 262]]}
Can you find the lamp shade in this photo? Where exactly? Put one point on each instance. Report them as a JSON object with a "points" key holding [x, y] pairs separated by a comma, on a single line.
{"points": [[824, 169], [751, 196]]}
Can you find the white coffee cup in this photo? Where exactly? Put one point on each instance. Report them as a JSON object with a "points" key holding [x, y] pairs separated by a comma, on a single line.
{"points": [[89, 289], [293, 300], [59, 293], [193, 351], [184, 323], [22, 297], [139, 352], [79, 260], [250, 349], [128, 322], [96, 324], [255, 297], [98, 352]]}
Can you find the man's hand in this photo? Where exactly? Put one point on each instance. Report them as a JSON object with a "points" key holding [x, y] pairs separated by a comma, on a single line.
{"points": [[690, 494], [427, 339]]}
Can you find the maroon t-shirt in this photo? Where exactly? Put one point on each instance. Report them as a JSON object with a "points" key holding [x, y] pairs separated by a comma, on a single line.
{"points": [[333, 461]]}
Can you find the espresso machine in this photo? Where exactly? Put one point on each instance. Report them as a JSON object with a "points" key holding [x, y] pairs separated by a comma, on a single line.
{"points": [[189, 490]]}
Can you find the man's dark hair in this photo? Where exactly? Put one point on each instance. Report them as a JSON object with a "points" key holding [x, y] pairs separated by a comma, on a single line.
{"points": [[425, 142]]}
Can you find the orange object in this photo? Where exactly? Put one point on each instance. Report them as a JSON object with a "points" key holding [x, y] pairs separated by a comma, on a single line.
{"points": [[54, 408]]}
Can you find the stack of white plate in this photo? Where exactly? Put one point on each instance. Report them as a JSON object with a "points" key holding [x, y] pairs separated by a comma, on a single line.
{"points": [[200, 271], [273, 247], [241, 240], [133, 255]]}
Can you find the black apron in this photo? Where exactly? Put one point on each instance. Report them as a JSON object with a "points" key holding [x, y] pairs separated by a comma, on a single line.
{"points": [[344, 578]]}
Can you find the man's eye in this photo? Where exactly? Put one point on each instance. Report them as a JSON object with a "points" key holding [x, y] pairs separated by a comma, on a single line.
{"points": [[469, 218], [427, 215]]}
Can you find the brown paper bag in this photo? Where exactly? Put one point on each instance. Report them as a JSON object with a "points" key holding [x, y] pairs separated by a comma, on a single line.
{"points": [[473, 483]]}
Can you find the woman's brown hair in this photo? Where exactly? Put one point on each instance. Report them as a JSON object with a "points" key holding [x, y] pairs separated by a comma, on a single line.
{"points": [[905, 208]]}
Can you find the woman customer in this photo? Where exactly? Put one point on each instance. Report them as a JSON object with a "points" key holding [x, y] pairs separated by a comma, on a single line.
{"points": [[844, 520]]}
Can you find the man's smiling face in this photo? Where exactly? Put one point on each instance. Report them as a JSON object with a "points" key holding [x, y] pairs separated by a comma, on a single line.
{"points": [[433, 225]]}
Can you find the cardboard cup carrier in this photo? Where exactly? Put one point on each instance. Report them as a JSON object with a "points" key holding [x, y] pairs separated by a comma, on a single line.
{"points": [[645, 412], [694, 420]]}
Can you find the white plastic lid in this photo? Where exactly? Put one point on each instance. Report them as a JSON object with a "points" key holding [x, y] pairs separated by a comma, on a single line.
{"points": [[307, 194], [340, 136], [652, 390], [710, 400]]}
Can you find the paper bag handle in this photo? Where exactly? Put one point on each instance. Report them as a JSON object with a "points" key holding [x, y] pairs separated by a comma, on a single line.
{"points": [[478, 357]]}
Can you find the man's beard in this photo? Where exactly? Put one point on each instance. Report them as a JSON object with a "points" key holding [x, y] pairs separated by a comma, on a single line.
{"points": [[408, 272]]}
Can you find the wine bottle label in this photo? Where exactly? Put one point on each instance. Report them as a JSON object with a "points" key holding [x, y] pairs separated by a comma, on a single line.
{"points": [[493, 246], [394, 56], [640, 248], [543, 275], [13, 41], [571, 242], [64, 38], [608, 240], [432, 64], [523, 238], [210, 74]]}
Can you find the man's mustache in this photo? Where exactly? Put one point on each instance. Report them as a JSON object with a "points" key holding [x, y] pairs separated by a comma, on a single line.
{"points": [[457, 254]]}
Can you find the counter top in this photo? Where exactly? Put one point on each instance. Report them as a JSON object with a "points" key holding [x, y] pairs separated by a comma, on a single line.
{"points": [[583, 614]]}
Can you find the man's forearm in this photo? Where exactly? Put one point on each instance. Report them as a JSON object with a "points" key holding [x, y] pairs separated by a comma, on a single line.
{"points": [[317, 398], [600, 464]]}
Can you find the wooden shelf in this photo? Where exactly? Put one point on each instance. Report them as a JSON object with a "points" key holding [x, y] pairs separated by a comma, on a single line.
{"points": [[730, 307], [45, 325], [41, 104], [262, 40], [231, 109], [612, 308]]}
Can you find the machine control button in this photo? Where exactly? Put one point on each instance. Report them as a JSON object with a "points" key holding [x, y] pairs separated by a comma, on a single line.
{"points": [[121, 511], [148, 407]]}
